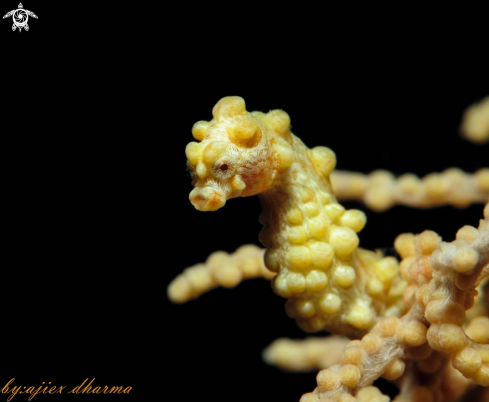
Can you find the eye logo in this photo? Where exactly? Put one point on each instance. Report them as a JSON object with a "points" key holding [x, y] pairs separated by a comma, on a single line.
{"points": [[20, 17]]}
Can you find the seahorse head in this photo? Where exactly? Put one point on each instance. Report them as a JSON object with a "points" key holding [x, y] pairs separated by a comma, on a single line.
{"points": [[239, 153]]}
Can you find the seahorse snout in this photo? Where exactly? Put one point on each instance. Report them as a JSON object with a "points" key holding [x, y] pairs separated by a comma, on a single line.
{"points": [[207, 199]]}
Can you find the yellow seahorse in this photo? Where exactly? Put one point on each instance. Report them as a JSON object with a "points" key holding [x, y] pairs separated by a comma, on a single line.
{"points": [[331, 284]]}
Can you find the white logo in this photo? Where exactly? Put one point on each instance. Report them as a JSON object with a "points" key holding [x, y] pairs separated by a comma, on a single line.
{"points": [[20, 17]]}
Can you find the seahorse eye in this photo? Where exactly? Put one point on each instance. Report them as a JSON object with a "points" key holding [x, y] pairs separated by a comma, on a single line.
{"points": [[222, 169]]}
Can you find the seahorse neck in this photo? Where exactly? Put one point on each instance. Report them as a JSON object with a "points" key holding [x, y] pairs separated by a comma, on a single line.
{"points": [[297, 196]]}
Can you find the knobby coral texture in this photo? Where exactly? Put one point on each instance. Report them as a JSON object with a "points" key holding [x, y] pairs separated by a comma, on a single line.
{"points": [[421, 322]]}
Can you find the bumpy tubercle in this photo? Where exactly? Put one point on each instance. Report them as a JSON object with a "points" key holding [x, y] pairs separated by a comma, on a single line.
{"points": [[331, 284]]}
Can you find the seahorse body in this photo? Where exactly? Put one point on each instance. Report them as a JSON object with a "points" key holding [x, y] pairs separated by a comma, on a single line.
{"points": [[329, 281]]}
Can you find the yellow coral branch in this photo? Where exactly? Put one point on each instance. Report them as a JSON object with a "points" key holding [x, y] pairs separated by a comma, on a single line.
{"points": [[220, 269], [458, 268], [380, 190], [306, 354], [475, 122]]}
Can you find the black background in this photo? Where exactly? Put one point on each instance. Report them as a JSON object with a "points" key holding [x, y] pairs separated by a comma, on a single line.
{"points": [[97, 107]]}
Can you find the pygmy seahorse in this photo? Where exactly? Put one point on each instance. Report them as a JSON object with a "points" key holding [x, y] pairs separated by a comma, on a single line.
{"points": [[331, 284]]}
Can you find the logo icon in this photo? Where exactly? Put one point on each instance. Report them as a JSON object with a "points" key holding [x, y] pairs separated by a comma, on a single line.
{"points": [[20, 17]]}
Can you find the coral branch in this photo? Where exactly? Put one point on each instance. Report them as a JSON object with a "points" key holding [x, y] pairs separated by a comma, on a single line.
{"points": [[380, 190], [305, 355], [220, 269], [475, 122], [458, 268]]}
